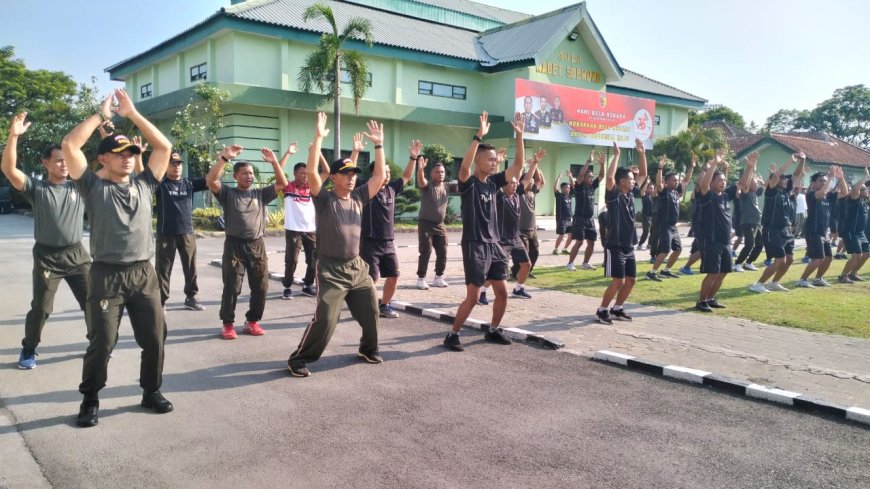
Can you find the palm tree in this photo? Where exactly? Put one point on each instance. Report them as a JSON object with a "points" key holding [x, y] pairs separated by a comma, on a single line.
{"points": [[323, 67]]}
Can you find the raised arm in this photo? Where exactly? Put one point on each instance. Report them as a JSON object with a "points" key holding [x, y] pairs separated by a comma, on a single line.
{"points": [[161, 147], [842, 187], [421, 173], [277, 167], [602, 163], [557, 183], [9, 164], [801, 169], [291, 150], [375, 134], [358, 146], [707, 177], [688, 177], [773, 181], [611, 170], [471, 152], [584, 169], [748, 172], [533, 168], [414, 150], [540, 180], [643, 170], [213, 178], [856, 189], [516, 168], [72, 143], [660, 171], [138, 165], [314, 155]]}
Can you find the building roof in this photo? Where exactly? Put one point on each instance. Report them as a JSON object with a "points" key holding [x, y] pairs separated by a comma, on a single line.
{"points": [[640, 83], [820, 148], [477, 9]]}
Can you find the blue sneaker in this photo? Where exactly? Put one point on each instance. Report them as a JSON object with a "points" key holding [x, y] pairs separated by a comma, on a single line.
{"points": [[521, 294], [686, 270], [27, 359], [652, 260], [733, 254], [483, 301], [768, 262], [806, 259]]}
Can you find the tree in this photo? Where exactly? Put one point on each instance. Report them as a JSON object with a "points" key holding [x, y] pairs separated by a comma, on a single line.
{"points": [[704, 142], [717, 114], [436, 153], [31, 90], [324, 67], [197, 126], [785, 120], [845, 115]]}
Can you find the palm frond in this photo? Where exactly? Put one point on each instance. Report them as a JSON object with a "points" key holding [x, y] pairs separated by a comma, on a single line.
{"points": [[319, 10], [356, 68], [358, 28]]}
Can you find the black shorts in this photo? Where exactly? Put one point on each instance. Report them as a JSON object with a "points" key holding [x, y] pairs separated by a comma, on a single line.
{"points": [[818, 246], [778, 243], [619, 262], [516, 250], [669, 240], [584, 229], [835, 226], [563, 226], [856, 243], [483, 261], [380, 254], [716, 257], [697, 245]]}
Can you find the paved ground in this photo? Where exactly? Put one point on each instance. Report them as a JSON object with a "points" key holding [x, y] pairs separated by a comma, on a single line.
{"points": [[490, 417]]}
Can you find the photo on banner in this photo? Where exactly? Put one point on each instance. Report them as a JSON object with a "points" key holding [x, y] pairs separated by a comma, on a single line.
{"points": [[564, 114]]}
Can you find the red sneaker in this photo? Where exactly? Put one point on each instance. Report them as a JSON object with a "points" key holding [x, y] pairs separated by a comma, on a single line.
{"points": [[229, 332], [253, 328]]}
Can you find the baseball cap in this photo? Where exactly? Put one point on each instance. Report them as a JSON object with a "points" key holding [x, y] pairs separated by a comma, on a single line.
{"points": [[344, 165], [175, 157], [116, 144]]}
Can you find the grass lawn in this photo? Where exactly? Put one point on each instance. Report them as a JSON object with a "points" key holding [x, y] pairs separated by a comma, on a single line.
{"points": [[841, 309]]}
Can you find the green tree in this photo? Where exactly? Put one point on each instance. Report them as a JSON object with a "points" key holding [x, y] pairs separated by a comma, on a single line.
{"points": [[196, 127], [678, 148], [324, 67], [845, 115], [22, 89], [718, 114], [785, 120], [436, 153]]}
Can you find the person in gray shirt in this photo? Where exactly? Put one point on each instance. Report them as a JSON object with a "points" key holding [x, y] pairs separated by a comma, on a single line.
{"points": [[431, 233], [122, 245], [58, 212], [245, 211]]}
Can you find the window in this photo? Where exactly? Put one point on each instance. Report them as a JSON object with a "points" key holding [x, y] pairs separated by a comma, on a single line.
{"points": [[145, 91], [440, 90], [658, 120], [198, 72]]}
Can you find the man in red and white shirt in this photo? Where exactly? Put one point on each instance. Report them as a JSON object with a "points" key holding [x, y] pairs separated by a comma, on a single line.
{"points": [[299, 231]]}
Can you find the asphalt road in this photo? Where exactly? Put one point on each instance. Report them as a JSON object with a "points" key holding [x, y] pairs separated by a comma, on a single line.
{"points": [[492, 416]]}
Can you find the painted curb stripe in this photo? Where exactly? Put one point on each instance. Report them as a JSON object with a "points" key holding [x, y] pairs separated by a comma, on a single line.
{"points": [[684, 373]]}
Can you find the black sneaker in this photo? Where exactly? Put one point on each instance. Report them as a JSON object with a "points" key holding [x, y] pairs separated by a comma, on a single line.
{"points": [[452, 342], [715, 304], [193, 304], [156, 402], [370, 357], [482, 300], [497, 336], [297, 370], [703, 306], [287, 295], [89, 413], [652, 276], [620, 315], [603, 317], [669, 274], [309, 290]]}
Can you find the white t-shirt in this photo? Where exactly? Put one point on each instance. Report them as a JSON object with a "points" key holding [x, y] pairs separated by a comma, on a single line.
{"points": [[801, 204], [298, 209]]}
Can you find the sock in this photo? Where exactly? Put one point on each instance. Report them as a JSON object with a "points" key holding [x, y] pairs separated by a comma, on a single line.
{"points": [[483, 290], [666, 270], [617, 307], [520, 286], [493, 329], [600, 309]]}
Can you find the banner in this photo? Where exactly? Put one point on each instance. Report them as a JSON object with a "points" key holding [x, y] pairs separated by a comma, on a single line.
{"points": [[575, 115]]}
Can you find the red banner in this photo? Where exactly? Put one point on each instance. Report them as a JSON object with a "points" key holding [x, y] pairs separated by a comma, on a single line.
{"points": [[575, 115]]}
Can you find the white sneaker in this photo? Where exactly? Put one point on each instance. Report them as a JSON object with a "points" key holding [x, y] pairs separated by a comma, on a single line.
{"points": [[757, 287], [571, 267], [820, 282], [738, 268], [776, 287], [805, 284], [421, 284], [439, 281], [587, 266], [750, 267]]}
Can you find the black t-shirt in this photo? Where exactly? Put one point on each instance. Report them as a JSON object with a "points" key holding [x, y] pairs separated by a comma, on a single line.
{"points": [[841, 209], [478, 208], [818, 215], [833, 209], [563, 206], [377, 218], [584, 199], [620, 219], [175, 204], [646, 205], [777, 209], [856, 215], [715, 215], [669, 206], [508, 215]]}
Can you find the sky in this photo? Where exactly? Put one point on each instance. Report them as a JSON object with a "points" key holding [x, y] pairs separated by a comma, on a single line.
{"points": [[754, 56]]}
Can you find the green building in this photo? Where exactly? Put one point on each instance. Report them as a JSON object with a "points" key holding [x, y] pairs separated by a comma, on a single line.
{"points": [[435, 65]]}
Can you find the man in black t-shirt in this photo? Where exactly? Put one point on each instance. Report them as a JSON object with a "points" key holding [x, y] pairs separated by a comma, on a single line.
{"points": [[776, 219], [619, 262], [544, 114], [854, 229], [377, 248], [531, 122], [816, 227], [646, 211], [563, 195], [482, 256], [556, 112], [175, 231], [670, 194], [714, 228], [583, 227]]}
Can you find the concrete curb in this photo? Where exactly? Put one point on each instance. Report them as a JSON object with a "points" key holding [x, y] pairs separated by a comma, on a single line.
{"points": [[740, 387]]}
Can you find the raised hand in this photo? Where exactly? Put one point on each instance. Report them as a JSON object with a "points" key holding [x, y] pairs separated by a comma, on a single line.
{"points": [[519, 124], [414, 148], [694, 162], [320, 129], [375, 133], [106, 106], [484, 125], [268, 155], [422, 162], [143, 146], [19, 125], [501, 154], [638, 145], [106, 128], [601, 158], [773, 168], [125, 106], [752, 159], [616, 148], [358, 143], [293, 148], [540, 154], [801, 155], [230, 152]]}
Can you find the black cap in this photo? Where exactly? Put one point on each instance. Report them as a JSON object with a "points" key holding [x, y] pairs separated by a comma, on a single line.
{"points": [[344, 165], [116, 144]]}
